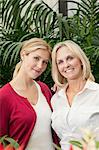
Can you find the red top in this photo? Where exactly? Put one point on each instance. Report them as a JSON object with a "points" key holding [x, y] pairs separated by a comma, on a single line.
{"points": [[17, 116]]}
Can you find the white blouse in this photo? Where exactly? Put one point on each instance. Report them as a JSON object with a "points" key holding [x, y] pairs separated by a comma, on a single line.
{"points": [[41, 138], [84, 113]]}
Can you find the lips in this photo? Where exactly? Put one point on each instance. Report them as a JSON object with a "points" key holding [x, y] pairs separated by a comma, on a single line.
{"points": [[37, 71], [69, 70]]}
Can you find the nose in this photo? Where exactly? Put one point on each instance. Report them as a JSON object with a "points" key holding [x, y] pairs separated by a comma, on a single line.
{"points": [[66, 64], [40, 64]]}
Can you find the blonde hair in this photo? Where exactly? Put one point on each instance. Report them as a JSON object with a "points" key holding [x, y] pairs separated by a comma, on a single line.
{"points": [[77, 51], [29, 46]]}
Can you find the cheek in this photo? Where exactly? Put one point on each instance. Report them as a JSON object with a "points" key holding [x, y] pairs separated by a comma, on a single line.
{"points": [[60, 68], [30, 62], [45, 67], [78, 67], [76, 63], [27, 64]]}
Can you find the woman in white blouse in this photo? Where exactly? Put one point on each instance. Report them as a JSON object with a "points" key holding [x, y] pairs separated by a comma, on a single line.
{"points": [[76, 104]]}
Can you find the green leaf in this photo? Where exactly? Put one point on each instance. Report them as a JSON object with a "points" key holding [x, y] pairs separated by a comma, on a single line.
{"points": [[12, 142], [76, 143], [15, 53], [97, 144], [2, 138]]}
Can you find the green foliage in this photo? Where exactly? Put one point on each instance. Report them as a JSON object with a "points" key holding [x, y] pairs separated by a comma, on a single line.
{"points": [[24, 19], [5, 140], [77, 144], [84, 27], [97, 144]]}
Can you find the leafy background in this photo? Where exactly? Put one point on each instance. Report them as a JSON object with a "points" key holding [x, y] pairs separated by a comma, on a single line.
{"points": [[24, 19]]}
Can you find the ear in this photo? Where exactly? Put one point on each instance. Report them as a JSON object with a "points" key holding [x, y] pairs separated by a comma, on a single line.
{"points": [[22, 54]]}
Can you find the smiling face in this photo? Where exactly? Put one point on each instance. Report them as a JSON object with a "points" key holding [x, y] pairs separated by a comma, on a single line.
{"points": [[68, 65], [35, 63]]}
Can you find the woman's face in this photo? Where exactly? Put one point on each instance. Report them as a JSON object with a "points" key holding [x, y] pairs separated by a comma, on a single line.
{"points": [[35, 63], [68, 65]]}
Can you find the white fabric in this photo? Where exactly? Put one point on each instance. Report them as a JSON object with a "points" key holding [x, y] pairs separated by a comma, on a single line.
{"points": [[41, 138], [84, 113]]}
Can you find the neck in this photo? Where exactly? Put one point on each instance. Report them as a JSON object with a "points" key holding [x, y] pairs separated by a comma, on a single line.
{"points": [[76, 86], [22, 82]]}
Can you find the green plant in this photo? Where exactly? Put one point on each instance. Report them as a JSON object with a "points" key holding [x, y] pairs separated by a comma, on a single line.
{"points": [[6, 141], [84, 28], [87, 142], [24, 19]]}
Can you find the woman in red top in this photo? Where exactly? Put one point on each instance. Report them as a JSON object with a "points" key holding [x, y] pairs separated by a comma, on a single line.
{"points": [[24, 103]]}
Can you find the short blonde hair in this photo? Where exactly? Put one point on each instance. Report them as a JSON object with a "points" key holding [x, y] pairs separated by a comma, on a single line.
{"points": [[29, 46], [77, 51]]}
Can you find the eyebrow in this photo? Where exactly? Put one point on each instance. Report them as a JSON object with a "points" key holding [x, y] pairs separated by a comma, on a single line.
{"points": [[41, 57], [66, 57]]}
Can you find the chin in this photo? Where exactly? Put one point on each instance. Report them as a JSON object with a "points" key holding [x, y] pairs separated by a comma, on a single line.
{"points": [[35, 76], [72, 78]]}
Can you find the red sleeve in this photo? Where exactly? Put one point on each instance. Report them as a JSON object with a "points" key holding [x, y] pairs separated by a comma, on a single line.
{"points": [[4, 114], [45, 88]]}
